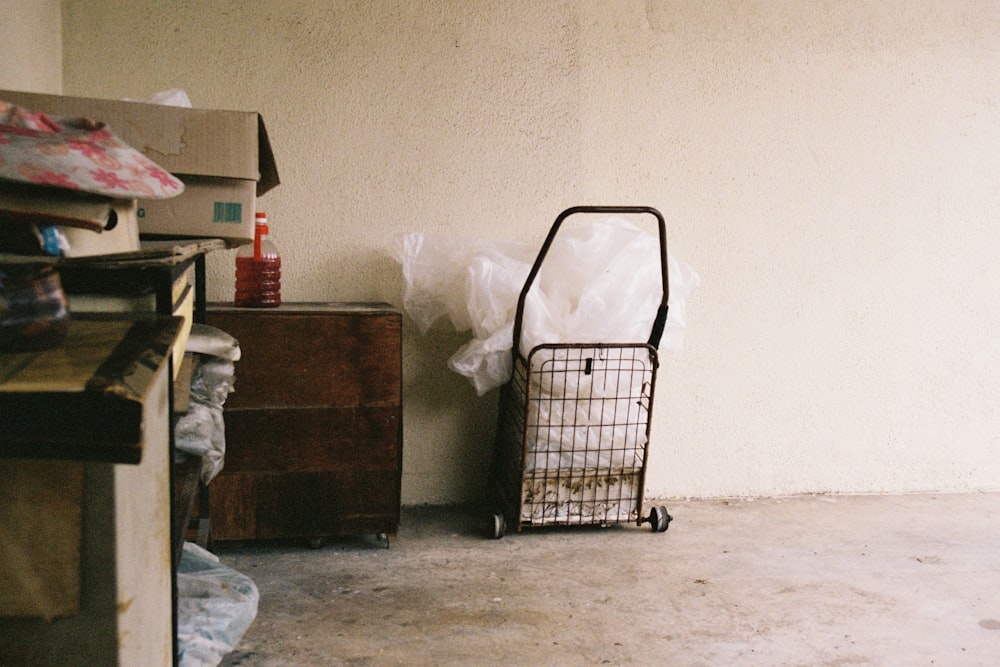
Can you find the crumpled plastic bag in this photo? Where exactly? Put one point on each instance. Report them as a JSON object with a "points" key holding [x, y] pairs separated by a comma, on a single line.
{"points": [[201, 430], [215, 607], [172, 97], [599, 282]]}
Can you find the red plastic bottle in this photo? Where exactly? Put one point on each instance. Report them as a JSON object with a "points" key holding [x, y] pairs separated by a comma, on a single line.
{"points": [[258, 270]]}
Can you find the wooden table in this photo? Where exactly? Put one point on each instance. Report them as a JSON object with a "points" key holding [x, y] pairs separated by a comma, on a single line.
{"points": [[86, 566]]}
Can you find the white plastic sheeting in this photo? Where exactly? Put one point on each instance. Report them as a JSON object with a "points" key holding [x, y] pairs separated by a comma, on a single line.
{"points": [[600, 282]]}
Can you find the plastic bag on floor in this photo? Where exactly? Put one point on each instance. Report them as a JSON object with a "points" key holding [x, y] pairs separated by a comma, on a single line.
{"points": [[600, 282], [215, 606]]}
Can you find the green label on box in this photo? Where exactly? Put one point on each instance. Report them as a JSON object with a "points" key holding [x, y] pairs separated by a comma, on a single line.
{"points": [[226, 211]]}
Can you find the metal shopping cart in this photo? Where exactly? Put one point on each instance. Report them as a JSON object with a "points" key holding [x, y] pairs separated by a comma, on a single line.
{"points": [[574, 419]]}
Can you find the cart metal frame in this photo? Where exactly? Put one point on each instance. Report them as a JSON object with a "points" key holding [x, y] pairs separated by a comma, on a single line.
{"points": [[574, 419]]}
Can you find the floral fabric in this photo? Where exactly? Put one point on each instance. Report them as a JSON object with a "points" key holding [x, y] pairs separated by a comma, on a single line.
{"points": [[77, 154]]}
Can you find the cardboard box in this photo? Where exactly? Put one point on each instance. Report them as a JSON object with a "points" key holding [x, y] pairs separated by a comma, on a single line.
{"points": [[224, 159], [92, 225]]}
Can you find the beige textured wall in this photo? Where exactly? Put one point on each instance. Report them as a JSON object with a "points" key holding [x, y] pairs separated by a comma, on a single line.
{"points": [[830, 169], [31, 46]]}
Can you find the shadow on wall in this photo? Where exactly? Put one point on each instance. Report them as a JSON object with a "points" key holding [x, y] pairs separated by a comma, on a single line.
{"points": [[447, 426]]}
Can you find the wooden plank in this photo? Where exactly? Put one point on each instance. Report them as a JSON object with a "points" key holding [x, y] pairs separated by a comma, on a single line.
{"points": [[187, 484], [40, 510], [95, 382], [142, 553]]}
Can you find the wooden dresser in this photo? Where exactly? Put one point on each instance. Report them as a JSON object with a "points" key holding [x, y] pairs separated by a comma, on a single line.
{"points": [[314, 426]]}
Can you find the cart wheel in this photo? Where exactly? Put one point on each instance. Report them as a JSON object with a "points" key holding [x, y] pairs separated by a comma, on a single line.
{"points": [[499, 526], [659, 519]]}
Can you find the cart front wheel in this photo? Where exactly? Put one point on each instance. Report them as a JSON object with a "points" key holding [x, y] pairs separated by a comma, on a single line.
{"points": [[499, 526], [659, 519]]}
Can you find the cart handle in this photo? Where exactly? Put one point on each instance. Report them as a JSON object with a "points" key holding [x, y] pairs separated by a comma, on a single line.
{"points": [[661, 314]]}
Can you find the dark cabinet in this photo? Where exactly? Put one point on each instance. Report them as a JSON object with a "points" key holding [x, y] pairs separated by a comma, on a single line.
{"points": [[314, 426]]}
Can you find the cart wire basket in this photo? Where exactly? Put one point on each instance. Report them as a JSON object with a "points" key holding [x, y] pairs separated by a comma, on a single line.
{"points": [[573, 427]]}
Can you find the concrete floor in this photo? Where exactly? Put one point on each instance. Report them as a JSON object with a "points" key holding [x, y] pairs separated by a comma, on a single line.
{"points": [[826, 580]]}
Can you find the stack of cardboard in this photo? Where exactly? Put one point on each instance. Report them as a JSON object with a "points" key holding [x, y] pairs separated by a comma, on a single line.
{"points": [[224, 159], [63, 177], [218, 163]]}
